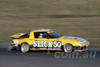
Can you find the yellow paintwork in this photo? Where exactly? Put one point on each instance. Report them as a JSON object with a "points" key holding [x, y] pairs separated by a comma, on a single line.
{"points": [[16, 35], [19, 41]]}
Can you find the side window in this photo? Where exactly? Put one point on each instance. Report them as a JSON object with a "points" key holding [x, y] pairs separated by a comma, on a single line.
{"points": [[25, 35], [36, 34], [41, 35], [45, 35]]}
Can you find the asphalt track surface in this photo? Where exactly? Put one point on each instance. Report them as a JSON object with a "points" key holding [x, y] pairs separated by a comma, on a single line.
{"points": [[48, 59]]}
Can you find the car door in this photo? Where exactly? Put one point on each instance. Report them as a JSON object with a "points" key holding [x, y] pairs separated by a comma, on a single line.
{"points": [[56, 43], [41, 40], [44, 41]]}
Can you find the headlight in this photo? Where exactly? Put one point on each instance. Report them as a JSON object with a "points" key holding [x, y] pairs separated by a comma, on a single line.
{"points": [[88, 44]]}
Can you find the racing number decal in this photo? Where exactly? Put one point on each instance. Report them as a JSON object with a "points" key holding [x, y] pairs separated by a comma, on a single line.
{"points": [[55, 44]]}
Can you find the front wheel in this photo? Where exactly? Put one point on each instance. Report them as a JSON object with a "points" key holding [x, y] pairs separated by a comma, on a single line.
{"points": [[25, 47], [68, 48]]}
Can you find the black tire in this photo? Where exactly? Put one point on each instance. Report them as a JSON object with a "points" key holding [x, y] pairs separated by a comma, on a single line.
{"points": [[18, 48], [25, 47], [68, 48]]}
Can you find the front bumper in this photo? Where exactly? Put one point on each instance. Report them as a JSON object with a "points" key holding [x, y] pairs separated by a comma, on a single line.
{"points": [[80, 49]]}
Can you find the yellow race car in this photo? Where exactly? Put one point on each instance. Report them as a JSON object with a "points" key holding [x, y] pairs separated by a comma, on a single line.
{"points": [[47, 39]]}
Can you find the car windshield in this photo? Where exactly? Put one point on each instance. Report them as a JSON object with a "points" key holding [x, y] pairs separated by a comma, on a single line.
{"points": [[54, 35]]}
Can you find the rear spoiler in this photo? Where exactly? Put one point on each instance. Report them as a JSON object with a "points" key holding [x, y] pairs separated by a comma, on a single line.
{"points": [[17, 35]]}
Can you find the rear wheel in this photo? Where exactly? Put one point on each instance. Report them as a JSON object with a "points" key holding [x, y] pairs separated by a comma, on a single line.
{"points": [[25, 47], [68, 48]]}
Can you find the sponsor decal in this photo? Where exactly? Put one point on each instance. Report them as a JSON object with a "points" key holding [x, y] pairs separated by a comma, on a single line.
{"points": [[55, 44], [82, 41], [69, 37], [16, 42]]}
